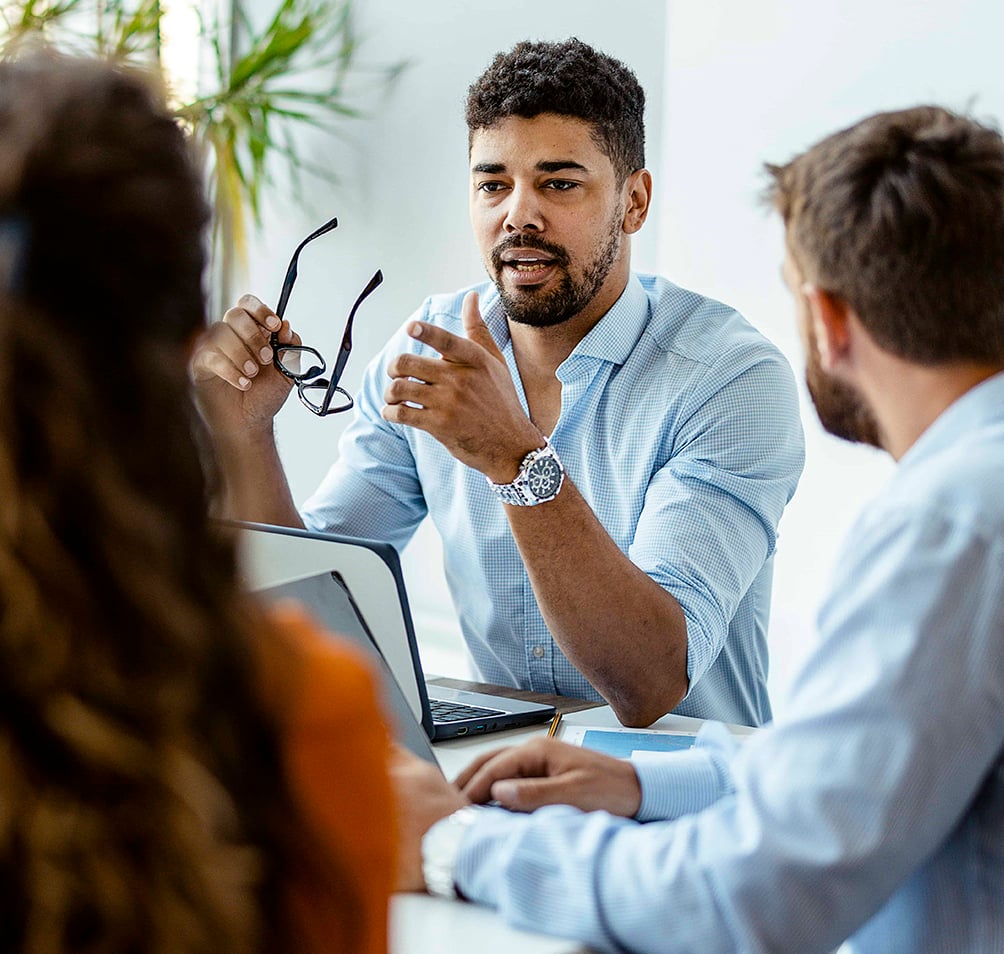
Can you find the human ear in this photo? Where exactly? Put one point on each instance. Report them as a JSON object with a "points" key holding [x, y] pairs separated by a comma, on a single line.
{"points": [[638, 199], [829, 315]]}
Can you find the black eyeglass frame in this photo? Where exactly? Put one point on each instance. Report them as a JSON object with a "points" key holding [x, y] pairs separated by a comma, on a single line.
{"points": [[311, 379]]}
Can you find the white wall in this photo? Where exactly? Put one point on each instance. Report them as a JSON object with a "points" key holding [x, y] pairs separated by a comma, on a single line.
{"points": [[402, 205], [752, 82], [731, 84]]}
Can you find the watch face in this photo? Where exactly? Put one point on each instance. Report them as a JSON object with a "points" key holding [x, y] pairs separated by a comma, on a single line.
{"points": [[543, 477]]}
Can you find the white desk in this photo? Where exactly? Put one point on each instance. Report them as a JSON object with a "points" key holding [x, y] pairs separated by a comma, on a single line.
{"points": [[421, 924]]}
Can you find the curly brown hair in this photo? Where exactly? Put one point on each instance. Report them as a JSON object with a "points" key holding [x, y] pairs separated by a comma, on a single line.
{"points": [[568, 78], [902, 215], [143, 805]]}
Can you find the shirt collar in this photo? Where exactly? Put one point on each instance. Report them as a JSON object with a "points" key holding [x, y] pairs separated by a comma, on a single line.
{"points": [[978, 407], [612, 338]]}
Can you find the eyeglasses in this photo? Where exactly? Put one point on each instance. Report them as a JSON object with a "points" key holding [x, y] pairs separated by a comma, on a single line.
{"points": [[316, 392]]}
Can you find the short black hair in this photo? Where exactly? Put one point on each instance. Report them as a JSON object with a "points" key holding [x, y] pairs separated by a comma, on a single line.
{"points": [[569, 78]]}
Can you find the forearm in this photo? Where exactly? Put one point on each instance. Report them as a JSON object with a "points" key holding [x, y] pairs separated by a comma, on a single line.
{"points": [[620, 629], [254, 481]]}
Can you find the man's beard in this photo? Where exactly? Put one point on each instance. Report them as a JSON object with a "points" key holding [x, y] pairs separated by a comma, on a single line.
{"points": [[545, 309], [841, 410]]}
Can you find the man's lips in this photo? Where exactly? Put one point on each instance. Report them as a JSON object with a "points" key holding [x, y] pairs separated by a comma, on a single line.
{"points": [[527, 267], [525, 263], [529, 271]]}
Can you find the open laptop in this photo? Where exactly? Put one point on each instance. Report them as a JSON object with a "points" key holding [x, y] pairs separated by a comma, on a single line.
{"points": [[356, 587]]}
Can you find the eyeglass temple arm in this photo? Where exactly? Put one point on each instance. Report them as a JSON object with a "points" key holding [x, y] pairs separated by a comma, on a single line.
{"points": [[291, 271], [345, 347]]}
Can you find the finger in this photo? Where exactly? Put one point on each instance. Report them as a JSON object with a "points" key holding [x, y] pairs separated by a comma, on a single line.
{"points": [[474, 326], [452, 347], [259, 311], [406, 391], [465, 776], [222, 352], [209, 365], [256, 337], [522, 762], [529, 794], [417, 418], [416, 366]]}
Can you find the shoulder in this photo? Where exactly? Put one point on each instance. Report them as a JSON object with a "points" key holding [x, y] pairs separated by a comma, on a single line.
{"points": [[711, 354], [958, 486], [701, 329]]}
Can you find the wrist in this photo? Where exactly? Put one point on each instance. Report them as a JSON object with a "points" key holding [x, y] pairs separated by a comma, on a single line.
{"points": [[538, 479], [244, 442], [441, 847], [505, 465]]}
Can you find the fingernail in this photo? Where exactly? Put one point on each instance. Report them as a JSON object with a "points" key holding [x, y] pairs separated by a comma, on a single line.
{"points": [[266, 355], [415, 330], [250, 367], [504, 792], [243, 383], [273, 323]]}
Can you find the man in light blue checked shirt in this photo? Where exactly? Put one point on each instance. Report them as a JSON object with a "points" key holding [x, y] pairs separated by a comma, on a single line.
{"points": [[605, 455], [874, 810]]}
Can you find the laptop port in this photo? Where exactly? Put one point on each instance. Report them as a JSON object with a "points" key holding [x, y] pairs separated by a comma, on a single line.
{"points": [[462, 730]]}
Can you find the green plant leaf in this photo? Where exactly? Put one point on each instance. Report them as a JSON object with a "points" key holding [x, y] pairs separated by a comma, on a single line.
{"points": [[290, 74]]}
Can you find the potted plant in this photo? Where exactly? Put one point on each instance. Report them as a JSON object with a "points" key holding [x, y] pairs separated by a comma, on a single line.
{"points": [[264, 83]]}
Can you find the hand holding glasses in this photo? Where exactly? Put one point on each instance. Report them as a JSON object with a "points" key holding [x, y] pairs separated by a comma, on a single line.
{"points": [[304, 365]]}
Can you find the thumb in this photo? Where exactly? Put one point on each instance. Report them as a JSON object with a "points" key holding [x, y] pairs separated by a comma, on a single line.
{"points": [[527, 794], [475, 328]]}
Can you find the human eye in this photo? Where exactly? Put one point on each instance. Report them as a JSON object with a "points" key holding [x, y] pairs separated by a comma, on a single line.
{"points": [[490, 186], [561, 185]]}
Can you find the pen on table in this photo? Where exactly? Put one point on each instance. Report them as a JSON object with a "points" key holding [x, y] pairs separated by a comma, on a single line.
{"points": [[553, 728]]}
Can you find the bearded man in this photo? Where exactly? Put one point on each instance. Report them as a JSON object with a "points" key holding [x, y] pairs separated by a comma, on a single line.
{"points": [[605, 455], [873, 810]]}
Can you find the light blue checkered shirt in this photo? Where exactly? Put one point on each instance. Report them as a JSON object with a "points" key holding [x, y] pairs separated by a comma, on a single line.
{"points": [[679, 425], [874, 810]]}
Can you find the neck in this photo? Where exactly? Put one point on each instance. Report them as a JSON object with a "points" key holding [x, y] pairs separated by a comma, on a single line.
{"points": [[907, 398], [543, 349]]}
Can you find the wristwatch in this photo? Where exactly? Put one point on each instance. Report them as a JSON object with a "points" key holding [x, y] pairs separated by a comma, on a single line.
{"points": [[440, 846], [539, 479]]}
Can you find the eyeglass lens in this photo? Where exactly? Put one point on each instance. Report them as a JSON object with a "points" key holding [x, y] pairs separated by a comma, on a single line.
{"points": [[304, 364]]}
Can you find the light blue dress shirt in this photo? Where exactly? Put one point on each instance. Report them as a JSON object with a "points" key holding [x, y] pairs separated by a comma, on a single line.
{"points": [[874, 810], [679, 425]]}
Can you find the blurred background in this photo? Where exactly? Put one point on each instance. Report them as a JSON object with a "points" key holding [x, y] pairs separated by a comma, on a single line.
{"points": [[730, 85]]}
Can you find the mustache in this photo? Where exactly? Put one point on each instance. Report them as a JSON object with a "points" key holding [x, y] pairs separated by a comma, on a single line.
{"points": [[522, 240]]}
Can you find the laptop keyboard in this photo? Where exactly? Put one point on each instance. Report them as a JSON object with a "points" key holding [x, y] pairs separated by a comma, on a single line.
{"points": [[444, 711]]}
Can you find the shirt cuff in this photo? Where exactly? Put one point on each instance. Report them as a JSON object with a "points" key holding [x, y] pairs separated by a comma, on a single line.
{"points": [[681, 783], [475, 867]]}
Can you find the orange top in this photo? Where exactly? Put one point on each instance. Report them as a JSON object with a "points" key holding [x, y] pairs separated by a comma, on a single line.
{"points": [[336, 747]]}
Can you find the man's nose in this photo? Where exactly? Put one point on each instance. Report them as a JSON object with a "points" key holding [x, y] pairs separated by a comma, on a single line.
{"points": [[523, 212]]}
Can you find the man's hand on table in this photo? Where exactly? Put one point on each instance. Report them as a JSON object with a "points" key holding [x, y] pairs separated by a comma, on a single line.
{"points": [[549, 772]]}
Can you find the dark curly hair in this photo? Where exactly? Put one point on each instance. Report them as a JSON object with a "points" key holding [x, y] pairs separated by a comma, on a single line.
{"points": [[569, 78], [143, 801], [902, 215]]}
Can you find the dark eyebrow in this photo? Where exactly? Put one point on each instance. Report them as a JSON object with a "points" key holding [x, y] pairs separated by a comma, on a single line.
{"points": [[560, 165], [557, 165]]}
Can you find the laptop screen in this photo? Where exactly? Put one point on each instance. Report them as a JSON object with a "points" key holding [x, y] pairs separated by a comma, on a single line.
{"points": [[328, 599]]}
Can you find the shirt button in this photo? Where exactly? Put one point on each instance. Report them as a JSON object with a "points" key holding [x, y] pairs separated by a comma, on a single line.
{"points": [[538, 651]]}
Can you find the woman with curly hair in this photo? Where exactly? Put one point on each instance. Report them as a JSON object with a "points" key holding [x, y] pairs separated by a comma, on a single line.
{"points": [[171, 754]]}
